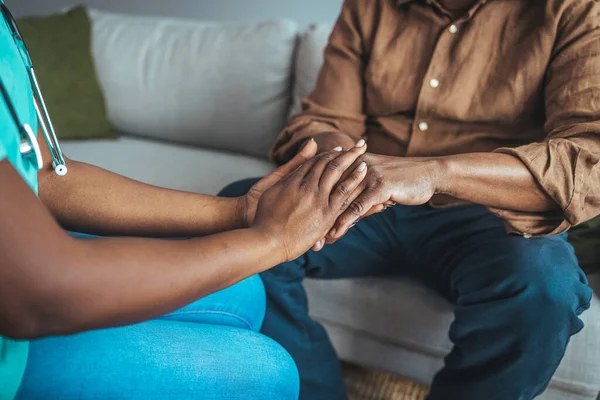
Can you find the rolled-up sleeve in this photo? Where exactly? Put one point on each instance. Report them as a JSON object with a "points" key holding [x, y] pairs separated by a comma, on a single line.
{"points": [[567, 164], [336, 105]]}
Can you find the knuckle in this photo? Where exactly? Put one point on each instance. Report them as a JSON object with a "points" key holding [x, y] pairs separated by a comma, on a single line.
{"points": [[356, 208], [328, 156], [333, 165], [346, 204], [343, 189], [304, 185]]}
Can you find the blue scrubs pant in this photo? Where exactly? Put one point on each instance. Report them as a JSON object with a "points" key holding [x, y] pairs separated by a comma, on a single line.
{"points": [[210, 349], [517, 300]]}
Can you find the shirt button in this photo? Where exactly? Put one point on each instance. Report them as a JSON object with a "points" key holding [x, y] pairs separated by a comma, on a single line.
{"points": [[423, 126], [434, 83], [453, 29]]}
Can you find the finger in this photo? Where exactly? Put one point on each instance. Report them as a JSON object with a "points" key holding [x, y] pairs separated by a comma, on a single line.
{"points": [[375, 210], [330, 238], [357, 210], [331, 234], [305, 169], [336, 168], [326, 160], [307, 153], [319, 245], [344, 189]]}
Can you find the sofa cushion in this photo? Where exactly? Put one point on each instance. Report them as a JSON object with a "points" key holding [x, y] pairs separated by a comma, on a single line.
{"points": [[60, 49], [402, 313], [168, 165], [224, 86], [308, 62]]}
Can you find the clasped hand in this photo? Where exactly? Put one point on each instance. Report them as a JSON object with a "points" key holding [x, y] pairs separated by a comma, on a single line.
{"points": [[321, 197], [297, 205], [389, 181]]}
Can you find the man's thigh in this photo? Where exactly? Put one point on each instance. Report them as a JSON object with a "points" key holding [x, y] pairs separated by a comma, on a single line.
{"points": [[467, 250]]}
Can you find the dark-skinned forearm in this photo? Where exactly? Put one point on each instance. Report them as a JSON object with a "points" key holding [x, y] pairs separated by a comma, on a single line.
{"points": [[92, 200], [491, 179], [53, 283], [111, 282]]}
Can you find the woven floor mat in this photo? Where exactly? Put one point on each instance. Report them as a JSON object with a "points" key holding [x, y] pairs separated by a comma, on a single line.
{"points": [[365, 384]]}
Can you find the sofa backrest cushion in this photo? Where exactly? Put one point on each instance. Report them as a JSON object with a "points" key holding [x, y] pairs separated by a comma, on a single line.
{"points": [[224, 86], [308, 62]]}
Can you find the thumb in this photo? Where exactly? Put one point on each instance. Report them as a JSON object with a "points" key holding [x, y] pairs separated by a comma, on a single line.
{"points": [[308, 151]]}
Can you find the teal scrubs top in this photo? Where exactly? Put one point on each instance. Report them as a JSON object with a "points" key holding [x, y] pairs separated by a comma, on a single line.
{"points": [[13, 353]]}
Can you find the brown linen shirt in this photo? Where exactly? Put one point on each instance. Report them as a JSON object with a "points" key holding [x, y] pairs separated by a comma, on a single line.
{"points": [[514, 76]]}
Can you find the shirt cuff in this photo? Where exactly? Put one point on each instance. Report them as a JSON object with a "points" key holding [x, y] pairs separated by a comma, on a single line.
{"points": [[552, 165]]}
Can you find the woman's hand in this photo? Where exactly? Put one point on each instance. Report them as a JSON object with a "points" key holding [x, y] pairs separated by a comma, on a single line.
{"points": [[302, 207], [247, 204], [390, 180]]}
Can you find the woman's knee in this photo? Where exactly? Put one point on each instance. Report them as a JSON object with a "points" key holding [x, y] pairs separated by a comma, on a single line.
{"points": [[161, 359], [242, 305], [239, 188], [275, 376], [254, 366]]}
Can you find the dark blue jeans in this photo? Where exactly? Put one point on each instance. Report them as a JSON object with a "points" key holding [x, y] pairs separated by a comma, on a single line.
{"points": [[517, 300]]}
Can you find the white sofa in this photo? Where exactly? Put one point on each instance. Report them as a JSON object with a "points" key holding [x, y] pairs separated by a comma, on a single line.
{"points": [[201, 103]]}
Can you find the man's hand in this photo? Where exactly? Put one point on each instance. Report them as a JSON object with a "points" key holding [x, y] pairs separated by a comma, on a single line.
{"points": [[389, 180], [328, 141], [247, 204]]}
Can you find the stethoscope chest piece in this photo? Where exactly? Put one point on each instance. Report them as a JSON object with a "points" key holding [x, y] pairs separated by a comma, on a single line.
{"points": [[29, 147], [60, 169]]}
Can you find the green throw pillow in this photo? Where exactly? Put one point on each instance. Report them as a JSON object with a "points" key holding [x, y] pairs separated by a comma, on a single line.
{"points": [[60, 49], [586, 240]]}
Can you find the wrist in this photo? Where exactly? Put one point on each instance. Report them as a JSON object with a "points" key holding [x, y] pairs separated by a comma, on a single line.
{"points": [[240, 213], [272, 243], [443, 174]]}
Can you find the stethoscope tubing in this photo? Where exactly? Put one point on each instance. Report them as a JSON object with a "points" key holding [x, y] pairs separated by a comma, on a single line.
{"points": [[28, 141]]}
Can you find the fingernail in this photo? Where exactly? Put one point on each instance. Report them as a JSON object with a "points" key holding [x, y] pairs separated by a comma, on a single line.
{"points": [[332, 232], [312, 139], [339, 148], [362, 167], [360, 143]]}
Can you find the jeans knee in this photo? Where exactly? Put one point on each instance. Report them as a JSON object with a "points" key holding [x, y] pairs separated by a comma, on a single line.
{"points": [[252, 290], [276, 374], [242, 305], [552, 289], [239, 188]]}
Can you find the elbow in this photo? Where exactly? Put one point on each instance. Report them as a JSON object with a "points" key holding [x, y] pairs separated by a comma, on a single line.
{"points": [[21, 327], [35, 325], [36, 315]]}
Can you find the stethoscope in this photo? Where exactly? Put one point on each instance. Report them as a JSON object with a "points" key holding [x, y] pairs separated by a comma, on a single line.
{"points": [[29, 147]]}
